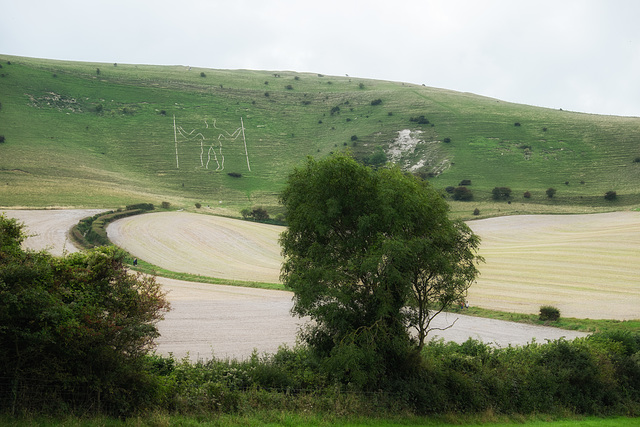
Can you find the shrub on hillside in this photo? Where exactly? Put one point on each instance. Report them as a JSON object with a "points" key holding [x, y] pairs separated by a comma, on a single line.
{"points": [[257, 214], [462, 193], [551, 192], [202, 74], [465, 182], [2, 139], [476, 211], [235, 174], [421, 120], [501, 193], [527, 195], [610, 195], [447, 140], [376, 101], [354, 137], [166, 205], [198, 205], [549, 313], [636, 160]]}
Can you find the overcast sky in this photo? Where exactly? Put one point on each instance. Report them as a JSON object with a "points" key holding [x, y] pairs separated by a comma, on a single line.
{"points": [[579, 55]]}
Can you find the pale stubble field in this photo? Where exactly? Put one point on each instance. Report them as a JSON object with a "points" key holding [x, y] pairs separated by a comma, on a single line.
{"points": [[584, 264]]}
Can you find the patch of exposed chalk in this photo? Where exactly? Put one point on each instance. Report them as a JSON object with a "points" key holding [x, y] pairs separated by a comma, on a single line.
{"points": [[404, 144]]}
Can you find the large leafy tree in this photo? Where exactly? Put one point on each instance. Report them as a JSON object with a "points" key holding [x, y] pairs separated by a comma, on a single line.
{"points": [[370, 254], [74, 330]]}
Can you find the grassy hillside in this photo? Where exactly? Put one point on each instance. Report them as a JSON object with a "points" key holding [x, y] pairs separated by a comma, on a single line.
{"points": [[103, 135]]}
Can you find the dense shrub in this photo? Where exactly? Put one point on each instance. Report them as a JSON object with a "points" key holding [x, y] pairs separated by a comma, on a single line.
{"points": [[551, 192], [335, 110], [610, 195], [465, 182], [202, 74], [198, 205], [257, 214], [636, 160], [165, 205], [235, 174], [527, 195], [421, 120], [376, 101], [447, 140], [74, 331], [289, 87], [2, 139], [593, 376], [91, 232], [462, 193], [476, 211], [548, 312], [354, 137], [501, 193]]}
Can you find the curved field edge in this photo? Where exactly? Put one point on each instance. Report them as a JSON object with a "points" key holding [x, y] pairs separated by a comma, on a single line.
{"points": [[585, 271]]}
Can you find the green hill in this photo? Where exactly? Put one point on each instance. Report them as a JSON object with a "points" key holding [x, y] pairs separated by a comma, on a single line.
{"points": [[103, 135]]}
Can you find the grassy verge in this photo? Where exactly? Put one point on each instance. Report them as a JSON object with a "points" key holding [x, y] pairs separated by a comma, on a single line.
{"points": [[145, 267], [571, 323], [293, 419]]}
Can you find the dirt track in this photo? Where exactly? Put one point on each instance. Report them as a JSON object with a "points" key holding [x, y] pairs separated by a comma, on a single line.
{"points": [[50, 228], [229, 321]]}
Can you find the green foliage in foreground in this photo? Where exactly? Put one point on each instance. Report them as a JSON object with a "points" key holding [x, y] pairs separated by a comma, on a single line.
{"points": [[74, 334], [74, 331], [599, 375]]}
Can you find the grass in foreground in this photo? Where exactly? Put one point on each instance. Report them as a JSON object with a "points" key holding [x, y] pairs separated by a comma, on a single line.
{"points": [[276, 418]]}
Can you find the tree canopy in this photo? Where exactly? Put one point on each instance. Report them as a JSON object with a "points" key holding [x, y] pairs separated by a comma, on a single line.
{"points": [[369, 255]]}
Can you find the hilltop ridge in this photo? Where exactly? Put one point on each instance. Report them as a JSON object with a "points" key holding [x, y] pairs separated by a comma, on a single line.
{"points": [[105, 135]]}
